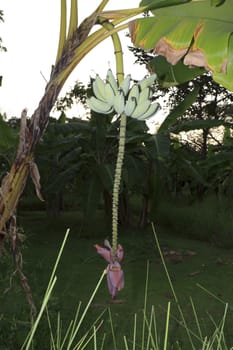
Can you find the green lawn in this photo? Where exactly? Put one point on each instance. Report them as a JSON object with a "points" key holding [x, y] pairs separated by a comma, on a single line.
{"points": [[190, 264]]}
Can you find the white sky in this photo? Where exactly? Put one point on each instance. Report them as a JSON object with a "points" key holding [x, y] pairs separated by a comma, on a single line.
{"points": [[30, 32]]}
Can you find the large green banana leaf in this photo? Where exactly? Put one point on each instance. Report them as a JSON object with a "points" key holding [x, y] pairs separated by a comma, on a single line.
{"points": [[172, 75], [178, 111], [190, 125], [197, 33]]}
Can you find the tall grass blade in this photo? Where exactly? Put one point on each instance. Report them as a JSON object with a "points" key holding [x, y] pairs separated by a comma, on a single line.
{"points": [[125, 342], [167, 326], [68, 330], [59, 330], [148, 324], [221, 330], [52, 340], [95, 340], [58, 258], [85, 311], [74, 322], [89, 338], [47, 295], [112, 330], [213, 295], [172, 289], [86, 338], [134, 331], [102, 343], [150, 337], [156, 332], [145, 305], [196, 320], [29, 339]]}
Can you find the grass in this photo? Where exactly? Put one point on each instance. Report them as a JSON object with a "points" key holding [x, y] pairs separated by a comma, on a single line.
{"points": [[210, 219], [196, 269]]}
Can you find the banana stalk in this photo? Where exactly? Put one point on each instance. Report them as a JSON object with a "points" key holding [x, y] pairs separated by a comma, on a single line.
{"points": [[62, 35], [121, 147], [73, 18], [117, 182]]}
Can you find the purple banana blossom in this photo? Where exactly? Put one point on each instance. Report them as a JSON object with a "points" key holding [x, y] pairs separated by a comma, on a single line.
{"points": [[115, 275]]}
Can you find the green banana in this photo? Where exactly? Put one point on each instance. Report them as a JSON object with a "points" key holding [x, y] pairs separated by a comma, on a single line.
{"points": [[100, 84], [144, 95], [125, 84], [119, 102], [99, 106], [134, 92], [141, 109], [111, 80], [109, 94], [153, 108], [146, 82], [130, 106], [100, 94]]}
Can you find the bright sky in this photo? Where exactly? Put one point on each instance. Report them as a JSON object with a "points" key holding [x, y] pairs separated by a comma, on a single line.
{"points": [[30, 32]]}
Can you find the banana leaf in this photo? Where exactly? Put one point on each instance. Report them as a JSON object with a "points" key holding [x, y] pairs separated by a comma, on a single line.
{"points": [[178, 111], [172, 75], [197, 33], [197, 124], [158, 146]]}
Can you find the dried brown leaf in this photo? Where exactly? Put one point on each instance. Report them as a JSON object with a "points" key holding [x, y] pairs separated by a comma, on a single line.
{"points": [[35, 175]]}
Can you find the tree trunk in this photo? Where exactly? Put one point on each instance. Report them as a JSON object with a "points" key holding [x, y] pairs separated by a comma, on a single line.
{"points": [[14, 182]]}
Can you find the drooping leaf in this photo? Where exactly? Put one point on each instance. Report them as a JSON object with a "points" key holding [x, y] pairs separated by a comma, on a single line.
{"points": [[197, 124], [169, 75], [197, 33], [35, 175], [194, 171], [220, 158], [58, 182], [159, 146], [56, 145], [178, 111]]}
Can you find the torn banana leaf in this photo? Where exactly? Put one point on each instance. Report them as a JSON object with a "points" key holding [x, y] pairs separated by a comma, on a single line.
{"points": [[198, 33]]}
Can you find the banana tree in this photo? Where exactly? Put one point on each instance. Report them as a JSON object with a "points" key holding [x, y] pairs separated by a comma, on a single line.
{"points": [[75, 42]]}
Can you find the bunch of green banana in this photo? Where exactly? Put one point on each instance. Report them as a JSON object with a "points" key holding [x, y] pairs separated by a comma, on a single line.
{"points": [[139, 104], [120, 98]]}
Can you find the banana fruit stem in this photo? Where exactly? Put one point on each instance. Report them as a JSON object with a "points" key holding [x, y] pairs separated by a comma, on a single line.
{"points": [[117, 182], [121, 148]]}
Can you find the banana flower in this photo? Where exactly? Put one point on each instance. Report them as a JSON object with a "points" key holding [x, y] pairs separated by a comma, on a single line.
{"points": [[115, 275]]}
